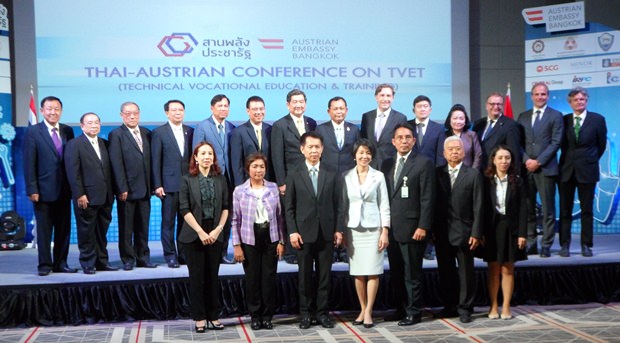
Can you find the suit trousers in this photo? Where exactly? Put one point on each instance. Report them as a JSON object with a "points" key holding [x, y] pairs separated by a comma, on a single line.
{"points": [[545, 186], [133, 230], [586, 200], [319, 254], [53, 217], [92, 228], [260, 267], [397, 274], [412, 257], [456, 284], [170, 212], [203, 265]]}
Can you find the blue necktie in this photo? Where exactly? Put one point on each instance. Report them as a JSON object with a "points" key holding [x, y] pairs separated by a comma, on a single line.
{"points": [[221, 129], [314, 178]]}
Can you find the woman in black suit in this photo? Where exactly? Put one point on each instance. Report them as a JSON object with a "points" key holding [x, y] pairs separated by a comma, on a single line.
{"points": [[506, 227], [203, 203]]}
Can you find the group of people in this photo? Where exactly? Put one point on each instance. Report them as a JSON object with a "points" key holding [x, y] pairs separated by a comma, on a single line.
{"points": [[297, 190]]}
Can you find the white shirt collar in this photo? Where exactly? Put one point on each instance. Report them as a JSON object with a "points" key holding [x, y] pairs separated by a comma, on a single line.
{"points": [[309, 166], [387, 112], [50, 127], [175, 127], [341, 125], [295, 119], [458, 167], [258, 127]]}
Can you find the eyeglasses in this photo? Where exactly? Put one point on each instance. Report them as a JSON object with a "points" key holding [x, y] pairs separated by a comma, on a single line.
{"points": [[493, 104], [129, 113]]}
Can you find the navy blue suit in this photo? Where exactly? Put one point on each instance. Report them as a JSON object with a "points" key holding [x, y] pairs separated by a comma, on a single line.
{"points": [[244, 142], [338, 160], [432, 142], [285, 146], [131, 168], [44, 174], [384, 146], [505, 131], [168, 166]]}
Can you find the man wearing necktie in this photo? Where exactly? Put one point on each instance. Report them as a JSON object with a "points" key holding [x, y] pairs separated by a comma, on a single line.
{"points": [[457, 230], [88, 169], [542, 127], [311, 203], [216, 130], [583, 144], [47, 186], [130, 155]]}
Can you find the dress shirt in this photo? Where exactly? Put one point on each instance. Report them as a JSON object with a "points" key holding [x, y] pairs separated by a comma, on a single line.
{"points": [[542, 110], [50, 127], [300, 123], [421, 127], [339, 131], [258, 130], [261, 212], [95, 144], [582, 116], [397, 158], [500, 193], [380, 121], [179, 135], [454, 173]]}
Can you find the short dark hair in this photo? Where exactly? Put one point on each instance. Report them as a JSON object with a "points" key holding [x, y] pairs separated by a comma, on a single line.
{"points": [[310, 134], [253, 157], [89, 113], [364, 142], [218, 98], [295, 92], [384, 85], [255, 98], [167, 104], [402, 126], [50, 98], [336, 98], [421, 98]]}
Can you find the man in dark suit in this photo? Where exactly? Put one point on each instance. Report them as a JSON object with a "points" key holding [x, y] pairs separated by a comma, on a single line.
{"points": [[378, 125], [47, 186], [88, 170], [583, 144], [429, 135], [457, 230], [410, 179], [311, 205], [217, 131], [170, 153], [250, 137], [130, 156], [285, 154], [339, 136], [542, 127], [497, 129]]}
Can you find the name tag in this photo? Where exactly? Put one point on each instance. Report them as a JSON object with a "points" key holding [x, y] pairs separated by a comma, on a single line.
{"points": [[404, 190]]}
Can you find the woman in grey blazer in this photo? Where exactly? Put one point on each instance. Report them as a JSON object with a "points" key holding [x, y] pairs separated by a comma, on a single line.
{"points": [[457, 124], [365, 212]]}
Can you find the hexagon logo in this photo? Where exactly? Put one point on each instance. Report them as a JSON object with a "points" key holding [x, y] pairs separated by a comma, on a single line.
{"points": [[177, 44]]}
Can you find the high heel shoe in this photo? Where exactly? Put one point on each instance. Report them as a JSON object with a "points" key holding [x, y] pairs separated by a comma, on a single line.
{"points": [[357, 322], [200, 329], [368, 325], [214, 326]]}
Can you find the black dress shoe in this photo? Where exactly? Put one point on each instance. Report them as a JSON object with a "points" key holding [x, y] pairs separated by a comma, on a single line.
{"points": [[545, 252], [409, 320], [465, 318], [305, 323], [173, 264], [107, 268], [564, 252], [146, 265], [44, 272], [446, 313], [326, 322], [396, 316], [255, 324], [266, 324], [127, 266], [226, 260], [586, 251], [90, 271], [65, 269]]}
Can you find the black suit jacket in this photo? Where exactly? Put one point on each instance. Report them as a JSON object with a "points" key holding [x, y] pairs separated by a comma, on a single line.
{"points": [[190, 201], [432, 142], [384, 146], [542, 144], [44, 169], [285, 146], [307, 213], [505, 131], [131, 167], [244, 142], [338, 160], [167, 163], [459, 210], [516, 209], [580, 157], [416, 211], [88, 175]]}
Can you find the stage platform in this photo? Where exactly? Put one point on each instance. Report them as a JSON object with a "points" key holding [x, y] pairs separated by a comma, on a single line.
{"points": [[27, 299]]}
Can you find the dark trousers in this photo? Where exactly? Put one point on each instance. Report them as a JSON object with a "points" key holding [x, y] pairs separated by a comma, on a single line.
{"points": [[133, 230], [92, 228], [170, 213], [260, 267], [314, 301], [203, 265], [545, 187], [586, 200], [456, 284], [412, 257], [397, 274], [53, 218]]}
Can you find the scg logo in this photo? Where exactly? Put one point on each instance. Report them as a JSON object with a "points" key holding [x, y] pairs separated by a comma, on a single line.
{"points": [[552, 67], [177, 44], [611, 78]]}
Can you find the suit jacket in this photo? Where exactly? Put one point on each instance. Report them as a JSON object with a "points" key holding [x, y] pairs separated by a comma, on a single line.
{"points": [[131, 167], [472, 148], [384, 146], [505, 131], [459, 210], [338, 160], [244, 142], [516, 209], [44, 169], [87, 174], [244, 213], [190, 201], [167, 163], [543, 143], [416, 211], [207, 131], [367, 206], [580, 157], [307, 213], [285, 146], [432, 142]]}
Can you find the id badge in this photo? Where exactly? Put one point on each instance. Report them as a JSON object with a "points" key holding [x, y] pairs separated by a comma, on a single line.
{"points": [[404, 190]]}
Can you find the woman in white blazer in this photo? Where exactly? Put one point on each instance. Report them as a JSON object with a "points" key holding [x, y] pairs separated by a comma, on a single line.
{"points": [[365, 212]]}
